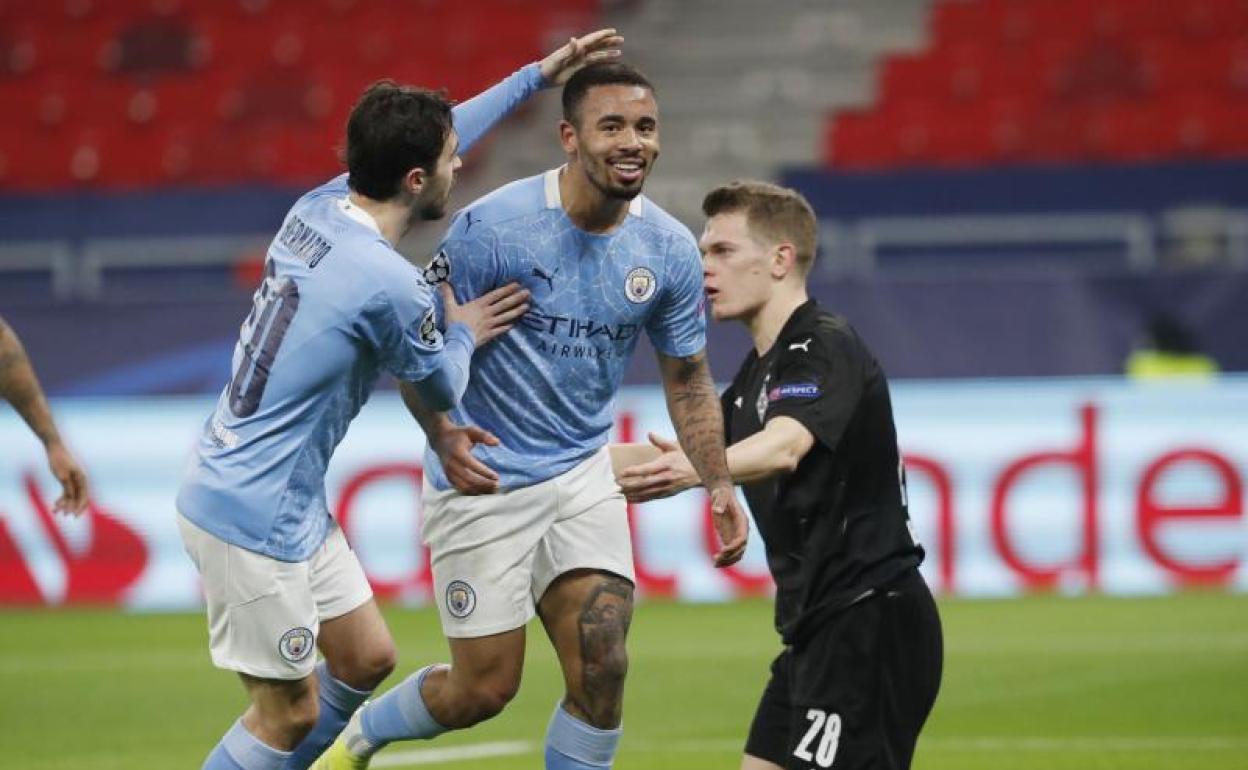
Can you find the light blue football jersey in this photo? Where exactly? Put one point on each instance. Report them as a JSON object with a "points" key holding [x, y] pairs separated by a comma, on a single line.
{"points": [[547, 387], [337, 306]]}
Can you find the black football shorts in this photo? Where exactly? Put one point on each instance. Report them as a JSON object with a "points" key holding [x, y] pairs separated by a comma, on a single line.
{"points": [[856, 693]]}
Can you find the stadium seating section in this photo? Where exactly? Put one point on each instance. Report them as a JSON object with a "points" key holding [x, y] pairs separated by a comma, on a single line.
{"points": [[138, 93], [1043, 81]]}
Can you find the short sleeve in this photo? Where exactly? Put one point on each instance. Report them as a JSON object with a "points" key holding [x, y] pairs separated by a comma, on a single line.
{"points": [[678, 326], [401, 322], [818, 381]]}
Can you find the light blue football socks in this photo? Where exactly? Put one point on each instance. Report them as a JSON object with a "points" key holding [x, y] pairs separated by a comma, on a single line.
{"points": [[400, 714], [338, 702], [240, 750], [573, 745]]}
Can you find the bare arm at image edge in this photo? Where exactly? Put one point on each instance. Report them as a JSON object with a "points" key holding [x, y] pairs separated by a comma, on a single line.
{"points": [[20, 387]]}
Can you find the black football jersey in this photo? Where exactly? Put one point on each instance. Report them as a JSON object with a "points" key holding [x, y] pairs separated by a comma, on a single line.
{"points": [[836, 528]]}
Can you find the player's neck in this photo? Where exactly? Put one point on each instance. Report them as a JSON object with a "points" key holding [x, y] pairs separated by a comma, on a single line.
{"points": [[392, 217], [588, 207], [765, 325]]}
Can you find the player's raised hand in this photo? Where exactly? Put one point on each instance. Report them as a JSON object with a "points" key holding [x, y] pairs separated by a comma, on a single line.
{"points": [[669, 473], [602, 45], [731, 525], [489, 315], [465, 472], [73, 480]]}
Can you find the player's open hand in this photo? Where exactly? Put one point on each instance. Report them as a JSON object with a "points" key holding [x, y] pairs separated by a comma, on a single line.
{"points": [[489, 315], [731, 525], [465, 472], [669, 473], [602, 45], [73, 480]]}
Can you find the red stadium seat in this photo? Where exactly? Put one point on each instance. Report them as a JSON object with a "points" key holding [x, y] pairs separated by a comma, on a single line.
{"points": [[1057, 81], [149, 92]]}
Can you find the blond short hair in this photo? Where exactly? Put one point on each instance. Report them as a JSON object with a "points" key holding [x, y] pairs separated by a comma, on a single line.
{"points": [[774, 214]]}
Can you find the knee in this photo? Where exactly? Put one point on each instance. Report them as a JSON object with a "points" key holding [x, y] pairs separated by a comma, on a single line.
{"points": [[487, 699], [605, 671], [366, 667], [378, 663]]}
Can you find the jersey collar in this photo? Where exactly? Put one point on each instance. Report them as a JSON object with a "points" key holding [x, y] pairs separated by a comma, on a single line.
{"points": [[353, 211], [555, 201], [798, 319]]}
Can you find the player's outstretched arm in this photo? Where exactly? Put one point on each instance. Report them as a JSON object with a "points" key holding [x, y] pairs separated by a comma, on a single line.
{"points": [[484, 319], [694, 408], [20, 387], [468, 327], [475, 117], [661, 469]]}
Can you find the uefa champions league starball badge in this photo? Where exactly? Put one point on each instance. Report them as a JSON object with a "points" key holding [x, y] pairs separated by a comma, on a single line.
{"points": [[429, 329], [438, 269]]}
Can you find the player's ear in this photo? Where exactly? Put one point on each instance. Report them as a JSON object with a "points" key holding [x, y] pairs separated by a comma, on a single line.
{"points": [[567, 136], [783, 260], [414, 181]]}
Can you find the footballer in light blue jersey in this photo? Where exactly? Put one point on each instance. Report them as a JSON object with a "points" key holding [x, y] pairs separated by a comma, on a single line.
{"points": [[546, 390], [523, 515], [338, 305]]}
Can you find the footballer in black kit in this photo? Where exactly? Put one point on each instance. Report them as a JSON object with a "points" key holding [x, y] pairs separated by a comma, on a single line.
{"points": [[863, 644], [812, 442]]}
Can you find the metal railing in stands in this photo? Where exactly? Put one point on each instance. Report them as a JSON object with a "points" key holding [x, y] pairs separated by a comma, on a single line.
{"points": [[104, 254], [856, 245], [80, 270], [56, 258]]}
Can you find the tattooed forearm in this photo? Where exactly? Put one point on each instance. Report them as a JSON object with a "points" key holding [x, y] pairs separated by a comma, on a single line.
{"points": [[604, 621], [694, 409], [19, 386]]}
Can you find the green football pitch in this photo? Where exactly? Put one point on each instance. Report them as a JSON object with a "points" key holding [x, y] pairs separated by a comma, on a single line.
{"points": [[1043, 682]]}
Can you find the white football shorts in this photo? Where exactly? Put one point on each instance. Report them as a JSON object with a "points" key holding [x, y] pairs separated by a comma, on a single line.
{"points": [[263, 614], [494, 556]]}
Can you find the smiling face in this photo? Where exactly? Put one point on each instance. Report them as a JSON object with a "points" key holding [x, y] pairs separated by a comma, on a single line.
{"points": [[614, 139], [736, 267]]}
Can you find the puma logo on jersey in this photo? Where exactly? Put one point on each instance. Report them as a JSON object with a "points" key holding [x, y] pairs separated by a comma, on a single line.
{"points": [[549, 279], [803, 346], [469, 221]]}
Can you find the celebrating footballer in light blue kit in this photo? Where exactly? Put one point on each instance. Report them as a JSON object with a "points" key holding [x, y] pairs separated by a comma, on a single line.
{"points": [[547, 389], [523, 516], [338, 305]]}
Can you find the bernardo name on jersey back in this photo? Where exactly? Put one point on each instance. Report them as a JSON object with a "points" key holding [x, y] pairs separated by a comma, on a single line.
{"points": [[337, 305], [546, 388]]}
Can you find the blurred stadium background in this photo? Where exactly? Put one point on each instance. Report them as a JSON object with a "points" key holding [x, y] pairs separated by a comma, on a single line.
{"points": [[1035, 211]]}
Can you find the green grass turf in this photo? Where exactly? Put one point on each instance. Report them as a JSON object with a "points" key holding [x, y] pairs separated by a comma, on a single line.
{"points": [[1043, 682]]}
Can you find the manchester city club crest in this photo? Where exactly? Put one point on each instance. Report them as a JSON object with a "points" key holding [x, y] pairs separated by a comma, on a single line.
{"points": [[640, 284], [295, 644], [461, 600]]}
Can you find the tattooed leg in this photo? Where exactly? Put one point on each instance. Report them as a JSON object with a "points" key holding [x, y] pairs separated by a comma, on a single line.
{"points": [[587, 616]]}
